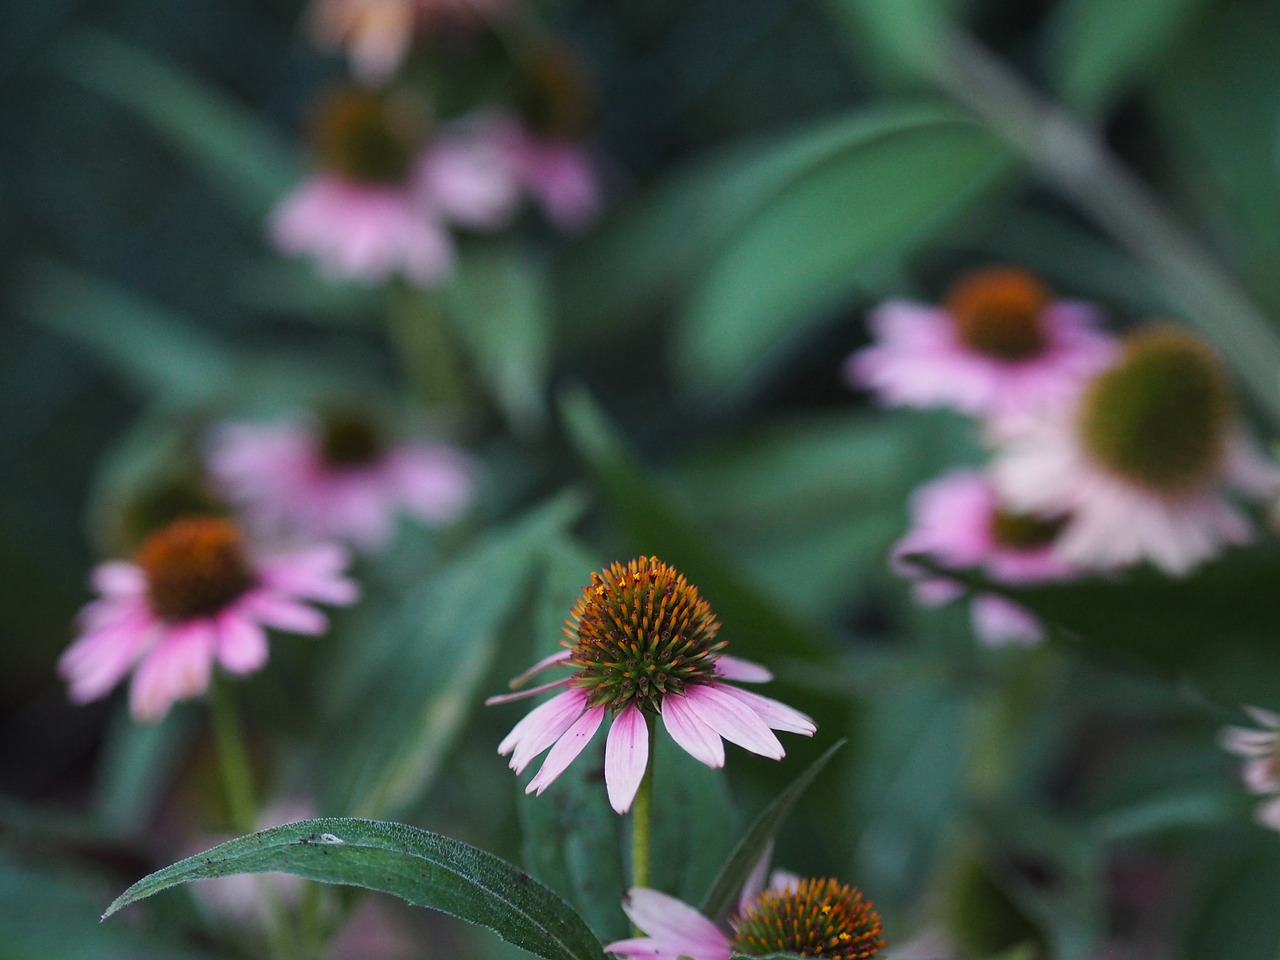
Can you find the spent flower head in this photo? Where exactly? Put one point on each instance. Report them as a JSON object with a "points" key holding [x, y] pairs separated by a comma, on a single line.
{"points": [[195, 595], [642, 644]]}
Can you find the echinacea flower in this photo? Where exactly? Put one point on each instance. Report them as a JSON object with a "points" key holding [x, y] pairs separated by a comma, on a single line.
{"points": [[193, 596], [336, 478], [1261, 750], [998, 346], [643, 644], [810, 917], [1141, 460], [382, 202], [958, 520]]}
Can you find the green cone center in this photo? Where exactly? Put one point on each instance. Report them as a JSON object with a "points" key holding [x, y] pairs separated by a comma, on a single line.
{"points": [[1025, 531], [816, 918], [349, 441], [1160, 417], [641, 631]]}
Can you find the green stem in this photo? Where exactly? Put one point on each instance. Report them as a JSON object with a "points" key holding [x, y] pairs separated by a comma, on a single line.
{"points": [[237, 779], [1072, 156], [642, 820]]}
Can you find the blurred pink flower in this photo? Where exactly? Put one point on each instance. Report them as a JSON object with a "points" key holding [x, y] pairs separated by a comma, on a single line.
{"points": [[1140, 459], [193, 596], [681, 676], [376, 34], [557, 172], [998, 347], [810, 917], [336, 479], [1261, 750], [959, 522]]}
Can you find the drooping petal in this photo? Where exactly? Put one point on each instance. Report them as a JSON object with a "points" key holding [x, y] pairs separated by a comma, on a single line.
{"points": [[672, 922], [567, 748], [315, 574], [242, 643], [733, 720], [177, 668], [744, 671], [1269, 814], [754, 885], [1267, 718], [99, 659], [526, 694], [551, 661], [119, 578], [541, 727], [283, 612], [689, 732], [626, 756], [778, 716]]}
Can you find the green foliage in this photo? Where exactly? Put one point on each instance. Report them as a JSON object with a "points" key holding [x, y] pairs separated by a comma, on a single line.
{"points": [[422, 868]]}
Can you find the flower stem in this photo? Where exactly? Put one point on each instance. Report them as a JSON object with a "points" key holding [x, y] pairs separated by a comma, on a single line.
{"points": [[642, 819], [1073, 157]]}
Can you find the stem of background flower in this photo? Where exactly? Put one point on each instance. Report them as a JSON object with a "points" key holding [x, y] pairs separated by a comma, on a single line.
{"points": [[1072, 156], [642, 818], [237, 780]]}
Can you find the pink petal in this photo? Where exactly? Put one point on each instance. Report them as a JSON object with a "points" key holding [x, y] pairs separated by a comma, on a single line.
{"points": [[283, 613], [744, 671], [672, 922], [314, 574], [777, 716], [755, 880], [242, 643], [526, 694], [542, 727], [626, 757], [690, 734], [178, 668], [119, 578], [543, 664], [100, 658], [566, 749], [734, 721]]}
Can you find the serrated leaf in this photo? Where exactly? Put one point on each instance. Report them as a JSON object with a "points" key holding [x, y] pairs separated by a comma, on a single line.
{"points": [[746, 855], [424, 869], [248, 161], [902, 176]]}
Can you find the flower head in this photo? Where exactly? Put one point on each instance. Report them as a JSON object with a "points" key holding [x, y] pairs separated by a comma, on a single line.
{"points": [[643, 644], [1139, 459], [960, 522], [337, 478], [195, 595], [810, 917], [1261, 750], [999, 346]]}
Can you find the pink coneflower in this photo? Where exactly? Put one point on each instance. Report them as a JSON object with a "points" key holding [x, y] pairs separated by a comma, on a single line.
{"points": [[810, 917], [999, 346], [376, 34], [958, 521], [1140, 460], [642, 643], [194, 595], [1261, 750], [336, 479], [385, 194]]}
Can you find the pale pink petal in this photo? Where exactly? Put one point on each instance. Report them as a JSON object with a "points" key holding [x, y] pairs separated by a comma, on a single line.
{"points": [[313, 574], [436, 483], [1267, 718], [242, 643], [689, 732], [999, 622], [1246, 742], [567, 748], [733, 720], [469, 177], [283, 613], [778, 716], [178, 668], [626, 757], [1269, 814], [554, 659], [526, 694], [754, 884], [743, 671], [671, 921], [542, 726], [1261, 775], [99, 659], [119, 578], [783, 881], [645, 948]]}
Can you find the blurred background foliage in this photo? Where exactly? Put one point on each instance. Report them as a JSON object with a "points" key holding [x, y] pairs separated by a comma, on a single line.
{"points": [[667, 382]]}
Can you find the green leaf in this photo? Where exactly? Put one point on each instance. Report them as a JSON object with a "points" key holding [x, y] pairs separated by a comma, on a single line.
{"points": [[425, 869], [497, 306], [905, 36], [648, 515], [1101, 47], [426, 662], [900, 177], [248, 161], [746, 855]]}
